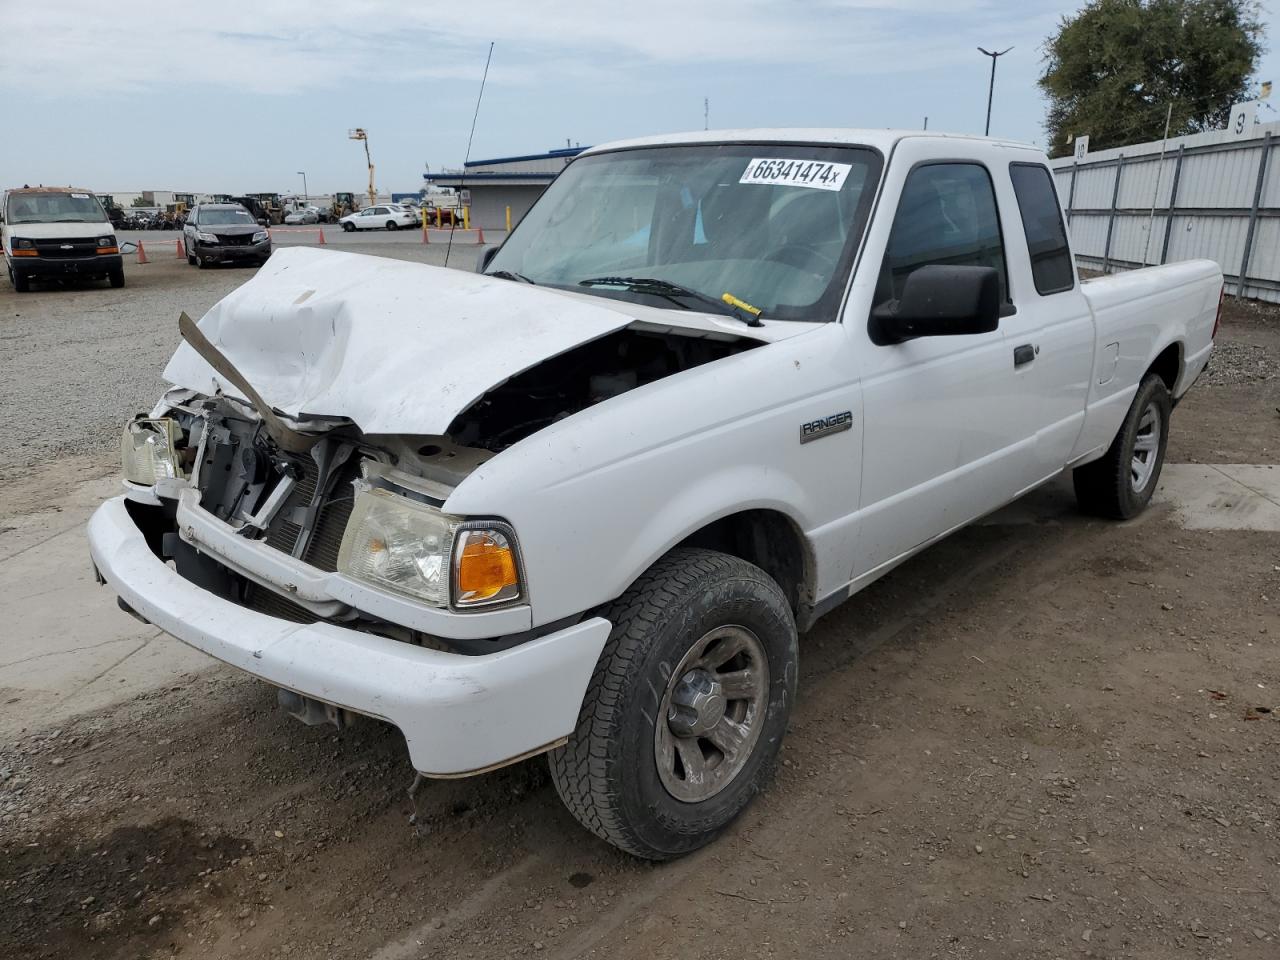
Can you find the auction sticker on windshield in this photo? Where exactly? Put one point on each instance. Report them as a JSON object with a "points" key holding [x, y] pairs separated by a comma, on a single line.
{"points": [[796, 173]]}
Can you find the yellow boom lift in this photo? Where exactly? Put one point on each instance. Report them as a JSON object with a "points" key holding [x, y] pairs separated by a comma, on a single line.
{"points": [[359, 133]]}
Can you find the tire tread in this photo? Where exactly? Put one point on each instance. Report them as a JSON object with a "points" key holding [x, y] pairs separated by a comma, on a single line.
{"points": [[581, 769]]}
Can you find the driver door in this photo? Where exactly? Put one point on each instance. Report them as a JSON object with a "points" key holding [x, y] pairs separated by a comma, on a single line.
{"points": [[942, 412]]}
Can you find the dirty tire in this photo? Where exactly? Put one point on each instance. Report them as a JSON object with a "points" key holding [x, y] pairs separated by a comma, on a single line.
{"points": [[1105, 487], [607, 774], [116, 278]]}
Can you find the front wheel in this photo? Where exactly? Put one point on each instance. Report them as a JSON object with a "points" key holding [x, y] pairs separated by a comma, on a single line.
{"points": [[116, 277], [21, 282], [686, 708], [1119, 485]]}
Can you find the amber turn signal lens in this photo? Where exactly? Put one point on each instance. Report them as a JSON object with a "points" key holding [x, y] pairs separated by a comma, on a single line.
{"points": [[108, 250], [486, 568]]}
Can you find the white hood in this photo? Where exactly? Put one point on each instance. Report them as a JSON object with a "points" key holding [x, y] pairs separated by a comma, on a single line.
{"points": [[400, 347], [395, 347]]}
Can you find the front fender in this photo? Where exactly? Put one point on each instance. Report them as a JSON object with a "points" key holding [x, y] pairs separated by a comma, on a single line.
{"points": [[598, 497]]}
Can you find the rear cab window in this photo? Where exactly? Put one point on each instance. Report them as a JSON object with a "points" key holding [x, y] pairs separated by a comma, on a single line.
{"points": [[1051, 267]]}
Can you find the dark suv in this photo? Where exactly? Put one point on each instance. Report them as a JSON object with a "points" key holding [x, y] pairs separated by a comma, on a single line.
{"points": [[224, 233]]}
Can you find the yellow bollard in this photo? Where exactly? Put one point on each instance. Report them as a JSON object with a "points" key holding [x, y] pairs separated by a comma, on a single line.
{"points": [[466, 218], [439, 218], [508, 218]]}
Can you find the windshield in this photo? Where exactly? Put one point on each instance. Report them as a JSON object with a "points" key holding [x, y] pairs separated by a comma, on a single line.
{"points": [[55, 208], [773, 225], [222, 217]]}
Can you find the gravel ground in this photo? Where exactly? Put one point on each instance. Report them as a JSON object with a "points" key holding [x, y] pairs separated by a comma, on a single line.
{"points": [[1035, 741], [76, 363]]}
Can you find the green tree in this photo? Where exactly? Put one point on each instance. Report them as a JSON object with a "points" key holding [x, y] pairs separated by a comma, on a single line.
{"points": [[1113, 69]]}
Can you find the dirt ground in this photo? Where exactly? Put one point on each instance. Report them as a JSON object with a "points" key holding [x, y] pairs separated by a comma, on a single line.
{"points": [[1047, 737]]}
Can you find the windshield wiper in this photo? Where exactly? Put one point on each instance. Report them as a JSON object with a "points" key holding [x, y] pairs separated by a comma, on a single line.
{"points": [[675, 292], [511, 275]]}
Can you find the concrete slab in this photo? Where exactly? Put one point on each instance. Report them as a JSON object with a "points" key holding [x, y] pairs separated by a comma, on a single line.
{"points": [[1222, 496], [66, 647]]}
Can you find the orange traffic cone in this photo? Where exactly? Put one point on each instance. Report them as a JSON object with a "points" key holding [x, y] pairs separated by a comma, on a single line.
{"points": [[479, 234], [180, 249], [142, 253], [322, 243]]}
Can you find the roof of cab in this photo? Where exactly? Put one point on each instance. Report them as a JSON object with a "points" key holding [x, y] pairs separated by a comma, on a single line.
{"points": [[883, 140]]}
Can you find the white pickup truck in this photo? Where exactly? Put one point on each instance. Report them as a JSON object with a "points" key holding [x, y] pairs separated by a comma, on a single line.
{"points": [[583, 503]]}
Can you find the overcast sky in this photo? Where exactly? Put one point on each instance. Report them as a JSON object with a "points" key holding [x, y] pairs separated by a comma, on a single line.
{"points": [[239, 96]]}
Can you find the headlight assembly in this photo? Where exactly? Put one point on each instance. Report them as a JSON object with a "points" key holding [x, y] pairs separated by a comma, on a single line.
{"points": [[148, 451], [399, 544], [206, 237], [412, 548], [260, 236]]}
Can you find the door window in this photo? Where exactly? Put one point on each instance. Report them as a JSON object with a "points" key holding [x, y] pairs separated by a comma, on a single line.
{"points": [[1042, 224], [947, 215]]}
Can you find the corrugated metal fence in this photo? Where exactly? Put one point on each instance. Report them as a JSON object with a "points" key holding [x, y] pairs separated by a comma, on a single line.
{"points": [[1211, 195]]}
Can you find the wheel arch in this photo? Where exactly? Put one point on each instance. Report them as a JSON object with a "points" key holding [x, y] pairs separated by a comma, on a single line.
{"points": [[771, 540], [1167, 365]]}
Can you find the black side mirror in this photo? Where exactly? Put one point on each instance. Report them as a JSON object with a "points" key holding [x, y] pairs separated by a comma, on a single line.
{"points": [[486, 258], [939, 300]]}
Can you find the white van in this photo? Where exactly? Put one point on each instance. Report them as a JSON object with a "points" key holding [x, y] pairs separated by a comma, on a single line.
{"points": [[58, 233]]}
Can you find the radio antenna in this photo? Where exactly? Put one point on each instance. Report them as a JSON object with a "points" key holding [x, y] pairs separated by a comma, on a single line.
{"points": [[462, 183]]}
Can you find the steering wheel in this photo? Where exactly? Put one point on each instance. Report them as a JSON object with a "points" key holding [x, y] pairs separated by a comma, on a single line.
{"points": [[802, 257]]}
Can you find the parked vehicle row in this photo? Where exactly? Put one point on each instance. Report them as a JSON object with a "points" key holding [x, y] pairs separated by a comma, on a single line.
{"points": [[151, 221]]}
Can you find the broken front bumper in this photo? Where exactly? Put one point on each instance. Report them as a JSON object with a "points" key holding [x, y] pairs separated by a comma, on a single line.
{"points": [[459, 714]]}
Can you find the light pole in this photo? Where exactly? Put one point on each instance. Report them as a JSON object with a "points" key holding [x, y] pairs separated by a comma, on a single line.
{"points": [[305, 195], [992, 88]]}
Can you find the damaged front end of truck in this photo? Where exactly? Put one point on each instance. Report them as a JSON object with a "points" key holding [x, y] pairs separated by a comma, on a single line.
{"points": [[300, 473]]}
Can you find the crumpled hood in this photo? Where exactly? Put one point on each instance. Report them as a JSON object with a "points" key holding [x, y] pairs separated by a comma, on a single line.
{"points": [[395, 347]]}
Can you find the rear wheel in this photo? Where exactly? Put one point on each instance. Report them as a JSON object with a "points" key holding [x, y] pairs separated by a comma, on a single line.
{"points": [[1119, 485], [686, 708], [392, 225], [348, 228]]}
